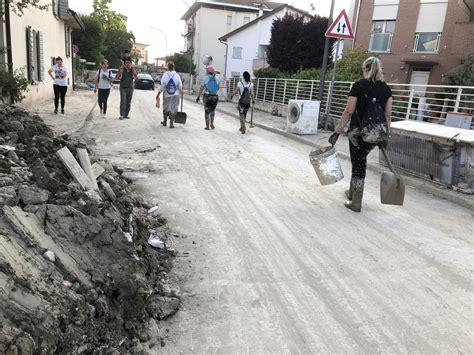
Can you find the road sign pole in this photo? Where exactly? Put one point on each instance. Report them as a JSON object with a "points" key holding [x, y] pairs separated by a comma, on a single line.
{"points": [[331, 86], [325, 57]]}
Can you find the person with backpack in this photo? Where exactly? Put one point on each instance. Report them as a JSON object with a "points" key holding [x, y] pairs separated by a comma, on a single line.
{"points": [[126, 75], [102, 83], [369, 109], [210, 86], [171, 87], [246, 98]]}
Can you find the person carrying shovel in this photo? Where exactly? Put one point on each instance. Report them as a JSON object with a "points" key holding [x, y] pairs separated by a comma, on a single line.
{"points": [[246, 98], [368, 92], [171, 86]]}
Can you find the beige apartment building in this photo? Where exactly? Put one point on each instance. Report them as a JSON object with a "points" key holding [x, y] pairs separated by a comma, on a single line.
{"points": [[419, 41], [140, 48], [37, 37], [206, 21]]}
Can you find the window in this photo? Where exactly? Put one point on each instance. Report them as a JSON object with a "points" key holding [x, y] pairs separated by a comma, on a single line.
{"points": [[246, 20], [237, 53], [34, 55], [229, 20], [426, 42], [381, 35]]}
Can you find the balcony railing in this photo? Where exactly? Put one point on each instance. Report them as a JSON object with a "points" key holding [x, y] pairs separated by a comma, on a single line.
{"points": [[426, 42], [189, 31], [380, 42]]}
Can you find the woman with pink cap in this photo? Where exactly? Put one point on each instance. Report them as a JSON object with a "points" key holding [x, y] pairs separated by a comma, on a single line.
{"points": [[210, 86]]}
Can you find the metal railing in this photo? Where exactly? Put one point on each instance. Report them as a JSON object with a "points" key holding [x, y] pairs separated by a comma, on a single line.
{"points": [[428, 103]]}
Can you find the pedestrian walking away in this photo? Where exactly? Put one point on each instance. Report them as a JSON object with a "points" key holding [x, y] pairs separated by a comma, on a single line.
{"points": [[246, 94], [60, 83], [171, 86], [126, 75], [210, 87], [366, 97], [103, 84]]}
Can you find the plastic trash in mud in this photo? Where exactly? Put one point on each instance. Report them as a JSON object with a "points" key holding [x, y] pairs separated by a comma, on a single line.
{"points": [[128, 236], [130, 224], [153, 210], [156, 242], [6, 148], [326, 165]]}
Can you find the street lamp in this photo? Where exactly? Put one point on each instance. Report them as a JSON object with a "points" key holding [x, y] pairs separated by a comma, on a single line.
{"points": [[166, 41]]}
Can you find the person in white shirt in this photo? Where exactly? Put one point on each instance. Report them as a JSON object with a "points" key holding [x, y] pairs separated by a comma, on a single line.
{"points": [[102, 83], [246, 98], [60, 83], [171, 87]]}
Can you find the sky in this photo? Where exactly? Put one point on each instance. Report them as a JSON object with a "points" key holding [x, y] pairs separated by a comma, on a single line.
{"points": [[165, 15]]}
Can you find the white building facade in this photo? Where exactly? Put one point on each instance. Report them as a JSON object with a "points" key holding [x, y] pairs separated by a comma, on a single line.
{"points": [[37, 37], [206, 21], [248, 45]]}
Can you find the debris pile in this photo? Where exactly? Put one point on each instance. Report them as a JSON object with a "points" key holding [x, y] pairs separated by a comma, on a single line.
{"points": [[77, 275]]}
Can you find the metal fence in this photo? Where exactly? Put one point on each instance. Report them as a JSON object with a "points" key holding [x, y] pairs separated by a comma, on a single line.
{"points": [[428, 103]]}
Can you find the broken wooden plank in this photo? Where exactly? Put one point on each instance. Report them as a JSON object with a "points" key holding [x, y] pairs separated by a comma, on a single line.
{"points": [[75, 169], [97, 169], [86, 165]]}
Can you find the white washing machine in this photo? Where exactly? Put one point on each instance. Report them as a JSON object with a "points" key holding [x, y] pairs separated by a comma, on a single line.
{"points": [[303, 116]]}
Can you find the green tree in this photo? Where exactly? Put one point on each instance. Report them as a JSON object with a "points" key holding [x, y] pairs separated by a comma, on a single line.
{"points": [[18, 6], [91, 40], [297, 44], [116, 41], [462, 75], [349, 67], [182, 62], [111, 20]]}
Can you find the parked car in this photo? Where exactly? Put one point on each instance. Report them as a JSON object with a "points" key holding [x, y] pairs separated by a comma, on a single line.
{"points": [[156, 78], [113, 73], [145, 81]]}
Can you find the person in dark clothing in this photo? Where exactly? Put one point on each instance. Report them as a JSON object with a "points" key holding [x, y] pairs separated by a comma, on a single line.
{"points": [[371, 87], [127, 74], [245, 90], [60, 83]]}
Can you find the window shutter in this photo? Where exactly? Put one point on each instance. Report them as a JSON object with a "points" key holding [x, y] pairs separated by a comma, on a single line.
{"points": [[30, 60], [40, 55], [64, 9], [431, 17], [385, 12], [67, 40]]}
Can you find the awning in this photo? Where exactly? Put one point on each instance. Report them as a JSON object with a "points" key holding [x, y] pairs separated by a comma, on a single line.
{"points": [[75, 21]]}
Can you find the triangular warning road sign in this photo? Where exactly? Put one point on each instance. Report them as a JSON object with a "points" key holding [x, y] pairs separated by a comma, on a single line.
{"points": [[341, 27]]}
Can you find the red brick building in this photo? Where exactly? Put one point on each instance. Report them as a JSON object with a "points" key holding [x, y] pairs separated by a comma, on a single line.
{"points": [[419, 41]]}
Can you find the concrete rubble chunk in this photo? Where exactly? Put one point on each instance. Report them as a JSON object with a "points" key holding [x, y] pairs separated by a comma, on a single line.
{"points": [[32, 195], [49, 255]]}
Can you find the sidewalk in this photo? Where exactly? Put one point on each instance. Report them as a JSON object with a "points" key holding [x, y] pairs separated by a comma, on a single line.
{"points": [[277, 125]]}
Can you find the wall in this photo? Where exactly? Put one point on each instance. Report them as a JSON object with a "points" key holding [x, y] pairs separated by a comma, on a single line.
{"points": [[54, 45], [210, 24], [456, 41]]}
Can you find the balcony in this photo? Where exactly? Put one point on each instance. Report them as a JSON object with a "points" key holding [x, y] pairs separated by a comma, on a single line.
{"points": [[426, 42], [259, 63], [380, 42], [189, 31]]}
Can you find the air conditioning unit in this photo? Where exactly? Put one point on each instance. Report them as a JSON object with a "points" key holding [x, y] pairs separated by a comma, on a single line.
{"points": [[303, 116]]}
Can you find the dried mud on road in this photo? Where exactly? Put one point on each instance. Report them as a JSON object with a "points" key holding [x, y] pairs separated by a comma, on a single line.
{"points": [[70, 282]]}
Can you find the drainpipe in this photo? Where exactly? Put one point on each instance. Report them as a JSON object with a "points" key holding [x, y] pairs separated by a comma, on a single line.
{"points": [[225, 64], [9, 42], [260, 14], [356, 22]]}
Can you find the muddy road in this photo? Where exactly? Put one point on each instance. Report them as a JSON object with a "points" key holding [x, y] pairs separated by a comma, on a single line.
{"points": [[272, 262]]}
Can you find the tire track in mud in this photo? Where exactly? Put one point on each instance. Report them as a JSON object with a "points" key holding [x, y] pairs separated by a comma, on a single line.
{"points": [[277, 268]]}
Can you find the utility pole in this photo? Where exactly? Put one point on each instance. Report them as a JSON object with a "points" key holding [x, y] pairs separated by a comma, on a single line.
{"points": [[325, 56]]}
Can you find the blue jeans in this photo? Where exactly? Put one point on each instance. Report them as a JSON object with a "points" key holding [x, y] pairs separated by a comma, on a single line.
{"points": [[125, 101]]}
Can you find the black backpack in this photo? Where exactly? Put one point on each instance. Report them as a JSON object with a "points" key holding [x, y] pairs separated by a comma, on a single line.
{"points": [[245, 98], [373, 125]]}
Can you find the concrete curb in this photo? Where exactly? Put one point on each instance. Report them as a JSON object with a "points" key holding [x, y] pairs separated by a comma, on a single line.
{"points": [[427, 186]]}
